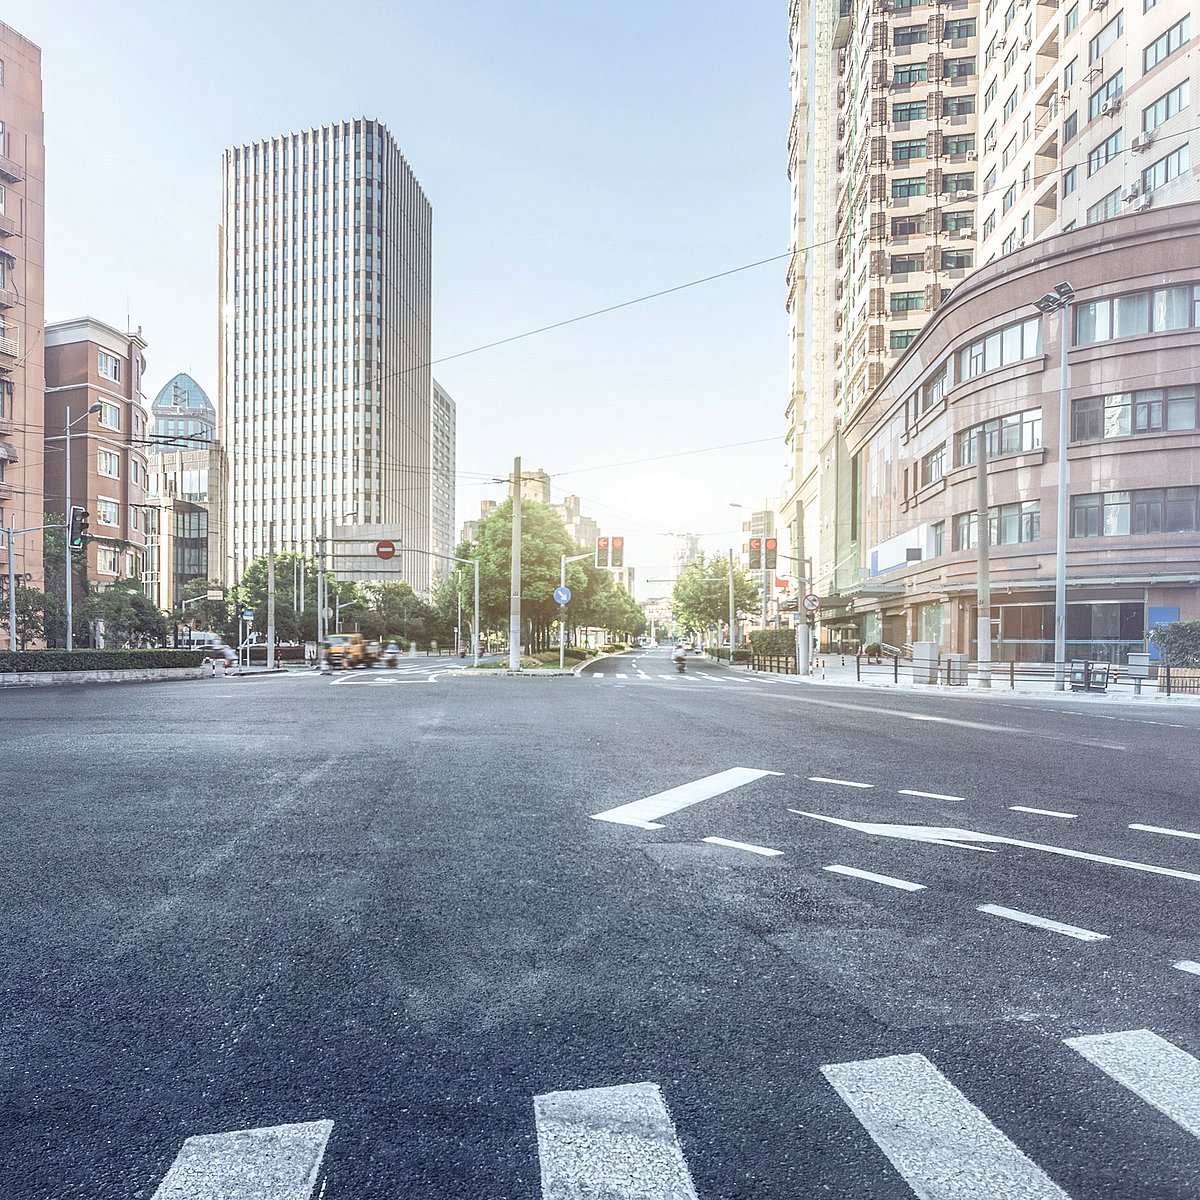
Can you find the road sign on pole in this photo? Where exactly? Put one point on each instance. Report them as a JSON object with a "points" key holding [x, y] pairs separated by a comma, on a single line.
{"points": [[385, 549], [812, 602], [562, 595]]}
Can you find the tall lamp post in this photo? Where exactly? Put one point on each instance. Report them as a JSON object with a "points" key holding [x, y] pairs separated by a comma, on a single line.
{"points": [[67, 428], [1059, 300]]}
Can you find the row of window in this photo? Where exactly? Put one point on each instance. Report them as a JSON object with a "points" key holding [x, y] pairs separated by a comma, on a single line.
{"points": [[1147, 510], [918, 110], [904, 74], [916, 185], [1001, 348], [1123, 414], [910, 149], [1156, 310], [951, 260]]}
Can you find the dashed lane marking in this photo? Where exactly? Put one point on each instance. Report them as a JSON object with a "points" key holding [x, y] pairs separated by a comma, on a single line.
{"points": [[1024, 918], [1172, 832], [840, 782], [1150, 1067], [928, 795], [1186, 964], [610, 1141], [765, 851], [889, 880], [1042, 812], [277, 1163], [941, 1144], [644, 813]]}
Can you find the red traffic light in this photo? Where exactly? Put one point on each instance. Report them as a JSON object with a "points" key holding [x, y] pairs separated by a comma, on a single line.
{"points": [[618, 552], [770, 553], [756, 554]]}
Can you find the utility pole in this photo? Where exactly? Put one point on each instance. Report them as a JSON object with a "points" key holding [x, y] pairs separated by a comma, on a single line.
{"points": [[320, 593], [12, 580], [982, 539], [732, 607], [271, 596], [70, 597], [475, 635], [514, 602]]}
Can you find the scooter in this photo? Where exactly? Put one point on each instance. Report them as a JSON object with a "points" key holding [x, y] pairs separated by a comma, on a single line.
{"points": [[681, 665]]}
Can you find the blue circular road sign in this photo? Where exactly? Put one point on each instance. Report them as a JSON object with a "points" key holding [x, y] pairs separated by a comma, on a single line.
{"points": [[562, 595]]}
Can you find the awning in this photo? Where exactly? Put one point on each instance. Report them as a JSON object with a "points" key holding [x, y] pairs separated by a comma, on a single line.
{"points": [[8, 452]]}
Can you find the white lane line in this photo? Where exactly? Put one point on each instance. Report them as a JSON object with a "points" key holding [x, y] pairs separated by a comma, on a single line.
{"points": [[1041, 812], [666, 677], [597, 674], [610, 1141], [281, 1162], [621, 675], [1024, 918], [644, 813], [928, 795], [1172, 832], [939, 1142], [1152, 1068], [890, 880], [763, 850], [1186, 964], [842, 782]]}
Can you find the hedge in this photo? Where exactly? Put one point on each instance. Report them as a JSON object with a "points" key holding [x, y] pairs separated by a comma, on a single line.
{"points": [[96, 660], [773, 641], [1179, 642]]}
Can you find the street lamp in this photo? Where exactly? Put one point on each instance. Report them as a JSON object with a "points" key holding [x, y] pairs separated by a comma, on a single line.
{"points": [[67, 428], [1059, 300]]}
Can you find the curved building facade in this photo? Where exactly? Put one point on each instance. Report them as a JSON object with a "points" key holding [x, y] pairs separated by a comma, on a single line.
{"points": [[184, 417], [985, 371]]}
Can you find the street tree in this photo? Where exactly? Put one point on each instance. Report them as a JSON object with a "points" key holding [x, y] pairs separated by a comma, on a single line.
{"points": [[127, 616], [701, 594]]}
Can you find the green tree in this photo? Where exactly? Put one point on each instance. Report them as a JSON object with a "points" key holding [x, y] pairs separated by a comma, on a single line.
{"points": [[213, 616], [290, 624], [394, 610], [128, 617], [54, 613], [31, 603], [701, 595], [1179, 641]]}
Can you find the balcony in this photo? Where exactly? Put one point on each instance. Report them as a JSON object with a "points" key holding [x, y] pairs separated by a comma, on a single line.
{"points": [[10, 169], [10, 342], [8, 298], [8, 226]]}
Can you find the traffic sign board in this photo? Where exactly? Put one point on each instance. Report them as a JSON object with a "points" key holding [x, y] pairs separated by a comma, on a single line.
{"points": [[562, 595], [385, 549], [214, 594], [811, 602]]}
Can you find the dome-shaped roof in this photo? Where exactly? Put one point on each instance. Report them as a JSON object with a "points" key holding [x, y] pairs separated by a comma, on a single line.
{"points": [[183, 394]]}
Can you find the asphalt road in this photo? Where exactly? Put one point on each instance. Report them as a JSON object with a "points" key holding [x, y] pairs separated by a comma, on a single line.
{"points": [[380, 899]]}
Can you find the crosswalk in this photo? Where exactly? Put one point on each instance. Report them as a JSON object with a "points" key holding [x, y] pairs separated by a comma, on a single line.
{"points": [[690, 677], [620, 1142]]}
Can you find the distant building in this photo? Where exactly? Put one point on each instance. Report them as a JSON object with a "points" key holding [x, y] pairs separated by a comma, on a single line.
{"points": [[583, 529], [535, 485], [625, 577], [470, 529], [441, 480], [184, 417], [89, 363], [22, 292], [688, 551]]}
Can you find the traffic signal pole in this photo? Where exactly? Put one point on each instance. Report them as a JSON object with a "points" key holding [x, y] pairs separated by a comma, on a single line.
{"points": [[514, 600], [70, 589]]}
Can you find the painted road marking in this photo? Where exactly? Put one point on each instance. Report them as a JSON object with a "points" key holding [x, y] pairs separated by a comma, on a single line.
{"points": [[841, 782], [281, 1162], [644, 813], [928, 795], [1152, 1068], [939, 1142], [1024, 918], [597, 674], [666, 677], [610, 1141], [763, 850], [1186, 964], [890, 880], [1172, 832], [621, 675], [962, 838], [1042, 812]]}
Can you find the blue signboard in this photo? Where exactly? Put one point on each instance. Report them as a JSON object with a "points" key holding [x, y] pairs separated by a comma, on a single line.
{"points": [[1158, 616], [562, 595]]}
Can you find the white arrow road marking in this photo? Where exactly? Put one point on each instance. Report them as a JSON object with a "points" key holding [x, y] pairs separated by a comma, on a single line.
{"points": [[763, 850], [1152, 1068], [644, 813], [964, 837], [890, 880], [610, 1142], [277, 1163], [941, 1144], [1024, 918]]}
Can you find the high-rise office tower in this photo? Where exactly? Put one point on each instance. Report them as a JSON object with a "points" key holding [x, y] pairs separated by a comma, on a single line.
{"points": [[441, 480], [882, 162], [22, 292], [325, 263]]}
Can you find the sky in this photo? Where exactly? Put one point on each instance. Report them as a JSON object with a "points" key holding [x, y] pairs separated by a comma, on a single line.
{"points": [[577, 156]]}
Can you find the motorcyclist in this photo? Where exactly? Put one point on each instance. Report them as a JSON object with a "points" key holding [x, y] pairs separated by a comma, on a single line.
{"points": [[679, 655]]}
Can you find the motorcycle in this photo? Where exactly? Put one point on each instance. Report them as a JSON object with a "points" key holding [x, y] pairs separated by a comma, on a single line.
{"points": [[681, 665]]}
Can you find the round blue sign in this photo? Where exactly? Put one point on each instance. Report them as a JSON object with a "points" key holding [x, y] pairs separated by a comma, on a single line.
{"points": [[562, 595]]}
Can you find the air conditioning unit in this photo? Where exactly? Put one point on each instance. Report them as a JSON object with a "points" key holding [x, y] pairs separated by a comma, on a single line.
{"points": [[971, 154], [1001, 43], [1099, 5], [1141, 142], [1144, 202], [1135, 190], [1110, 108], [989, 143], [1026, 43]]}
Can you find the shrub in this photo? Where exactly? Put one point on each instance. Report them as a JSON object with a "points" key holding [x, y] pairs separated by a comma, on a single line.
{"points": [[741, 656], [773, 641], [1180, 642], [528, 663], [97, 660], [872, 650]]}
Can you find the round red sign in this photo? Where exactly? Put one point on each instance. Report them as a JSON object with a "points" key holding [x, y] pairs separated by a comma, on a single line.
{"points": [[385, 549]]}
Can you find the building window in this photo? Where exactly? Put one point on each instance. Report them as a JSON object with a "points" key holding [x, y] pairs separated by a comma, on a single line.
{"points": [[108, 365], [1072, 19], [110, 415], [937, 539], [108, 512], [900, 339], [1104, 153], [933, 465], [1105, 38], [912, 73], [1007, 345], [1070, 180], [1010, 105], [1109, 90], [910, 110], [108, 561], [907, 301], [913, 185], [902, 264], [1008, 524], [934, 389], [957, 220], [1164, 108], [989, 97], [908, 149], [1070, 127], [1070, 73], [1103, 209], [1013, 433], [1161, 310], [1010, 197], [1167, 168], [957, 260], [962, 143], [960, 68], [958, 106], [907, 226], [1164, 46], [959, 181], [910, 35], [1148, 510], [956, 31], [108, 464], [1150, 410]]}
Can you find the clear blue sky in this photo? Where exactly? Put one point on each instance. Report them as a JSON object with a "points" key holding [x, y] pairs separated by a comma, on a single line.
{"points": [[576, 155]]}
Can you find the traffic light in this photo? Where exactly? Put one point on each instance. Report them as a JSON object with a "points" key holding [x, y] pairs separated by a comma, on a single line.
{"points": [[78, 526], [756, 554], [602, 552], [771, 554], [618, 552]]}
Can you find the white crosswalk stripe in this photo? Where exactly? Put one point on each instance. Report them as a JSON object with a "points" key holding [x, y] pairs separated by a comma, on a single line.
{"points": [[939, 1142], [281, 1162], [610, 1142]]}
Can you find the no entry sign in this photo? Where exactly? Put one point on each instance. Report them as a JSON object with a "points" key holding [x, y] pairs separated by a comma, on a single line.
{"points": [[385, 549]]}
